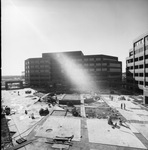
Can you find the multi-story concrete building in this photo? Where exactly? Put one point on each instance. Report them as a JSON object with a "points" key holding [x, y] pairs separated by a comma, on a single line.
{"points": [[68, 68], [137, 64], [37, 71]]}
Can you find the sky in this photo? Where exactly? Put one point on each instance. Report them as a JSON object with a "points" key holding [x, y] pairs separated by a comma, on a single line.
{"points": [[32, 27]]}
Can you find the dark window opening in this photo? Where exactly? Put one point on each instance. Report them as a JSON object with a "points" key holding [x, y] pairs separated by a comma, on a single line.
{"points": [[131, 67], [146, 74], [136, 74], [136, 59], [131, 53], [141, 82], [141, 74], [136, 82], [140, 66], [127, 68], [141, 58], [136, 67], [146, 56], [146, 65]]}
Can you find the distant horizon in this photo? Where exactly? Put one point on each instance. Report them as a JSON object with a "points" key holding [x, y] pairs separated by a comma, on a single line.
{"points": [[11, 75]]}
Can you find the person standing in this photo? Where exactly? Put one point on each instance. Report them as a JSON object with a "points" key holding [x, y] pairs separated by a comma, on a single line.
{"points": [[26, 112], [124, 106], [121, 105]]}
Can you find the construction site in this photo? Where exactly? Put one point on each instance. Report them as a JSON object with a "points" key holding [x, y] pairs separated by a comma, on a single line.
{"points": [[32, 120]]}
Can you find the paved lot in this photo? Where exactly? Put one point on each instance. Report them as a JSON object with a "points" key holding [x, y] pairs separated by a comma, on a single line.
{"points": [[90, 134], [60, 126], [136, 116], [100, 132]]}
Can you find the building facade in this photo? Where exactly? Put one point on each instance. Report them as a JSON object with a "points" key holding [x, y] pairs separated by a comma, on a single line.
{"points": [[59, 69], [37, 72], [137, 64]]}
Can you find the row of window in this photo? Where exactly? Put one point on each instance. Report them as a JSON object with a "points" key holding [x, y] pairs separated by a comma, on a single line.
{"points": [[37, 61], [99, 58], [41, 75], [137, 67], [137, 59], [141, 41], [79, 60], [89, 69], [137, 74], [38, 81], [141, 82], [36, 71], [39, 78], [110, 59], [137, 82], [100, 69], [37, 66], [85, 64], [139, 50]]}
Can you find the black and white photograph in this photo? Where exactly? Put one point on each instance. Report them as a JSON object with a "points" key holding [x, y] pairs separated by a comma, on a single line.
{"points": [[74, 74]]}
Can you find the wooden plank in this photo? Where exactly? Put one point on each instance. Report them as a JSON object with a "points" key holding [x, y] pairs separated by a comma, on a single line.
{"points": [[20, 145]]}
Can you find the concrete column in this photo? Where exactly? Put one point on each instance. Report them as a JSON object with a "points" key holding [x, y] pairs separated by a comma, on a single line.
{"points": [[145, 94]]}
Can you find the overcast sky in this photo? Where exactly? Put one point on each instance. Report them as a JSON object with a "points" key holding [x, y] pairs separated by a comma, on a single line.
{"points": [[32, 27]]}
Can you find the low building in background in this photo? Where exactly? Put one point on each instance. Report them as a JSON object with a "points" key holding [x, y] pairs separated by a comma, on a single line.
{"points": [[137, 64], [73, 69]]}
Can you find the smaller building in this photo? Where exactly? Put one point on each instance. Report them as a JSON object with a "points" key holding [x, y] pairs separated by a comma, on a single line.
{"points": [[15, 84]]}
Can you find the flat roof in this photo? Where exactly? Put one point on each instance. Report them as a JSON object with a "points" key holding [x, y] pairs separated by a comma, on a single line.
{"points": [[71, 97]]}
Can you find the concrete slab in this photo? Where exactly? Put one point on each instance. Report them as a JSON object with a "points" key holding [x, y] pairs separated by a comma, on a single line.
{"points": [[22, 124], [139, 115], [117, 103], [100, 132], [39, 144], [133, 129], [129, 115], [142, 128], [60, 126], [60, 146], [132, 112]]}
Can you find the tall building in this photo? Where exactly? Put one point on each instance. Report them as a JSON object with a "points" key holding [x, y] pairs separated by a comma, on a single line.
{"points": [[73, 69], [137, 64]]}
